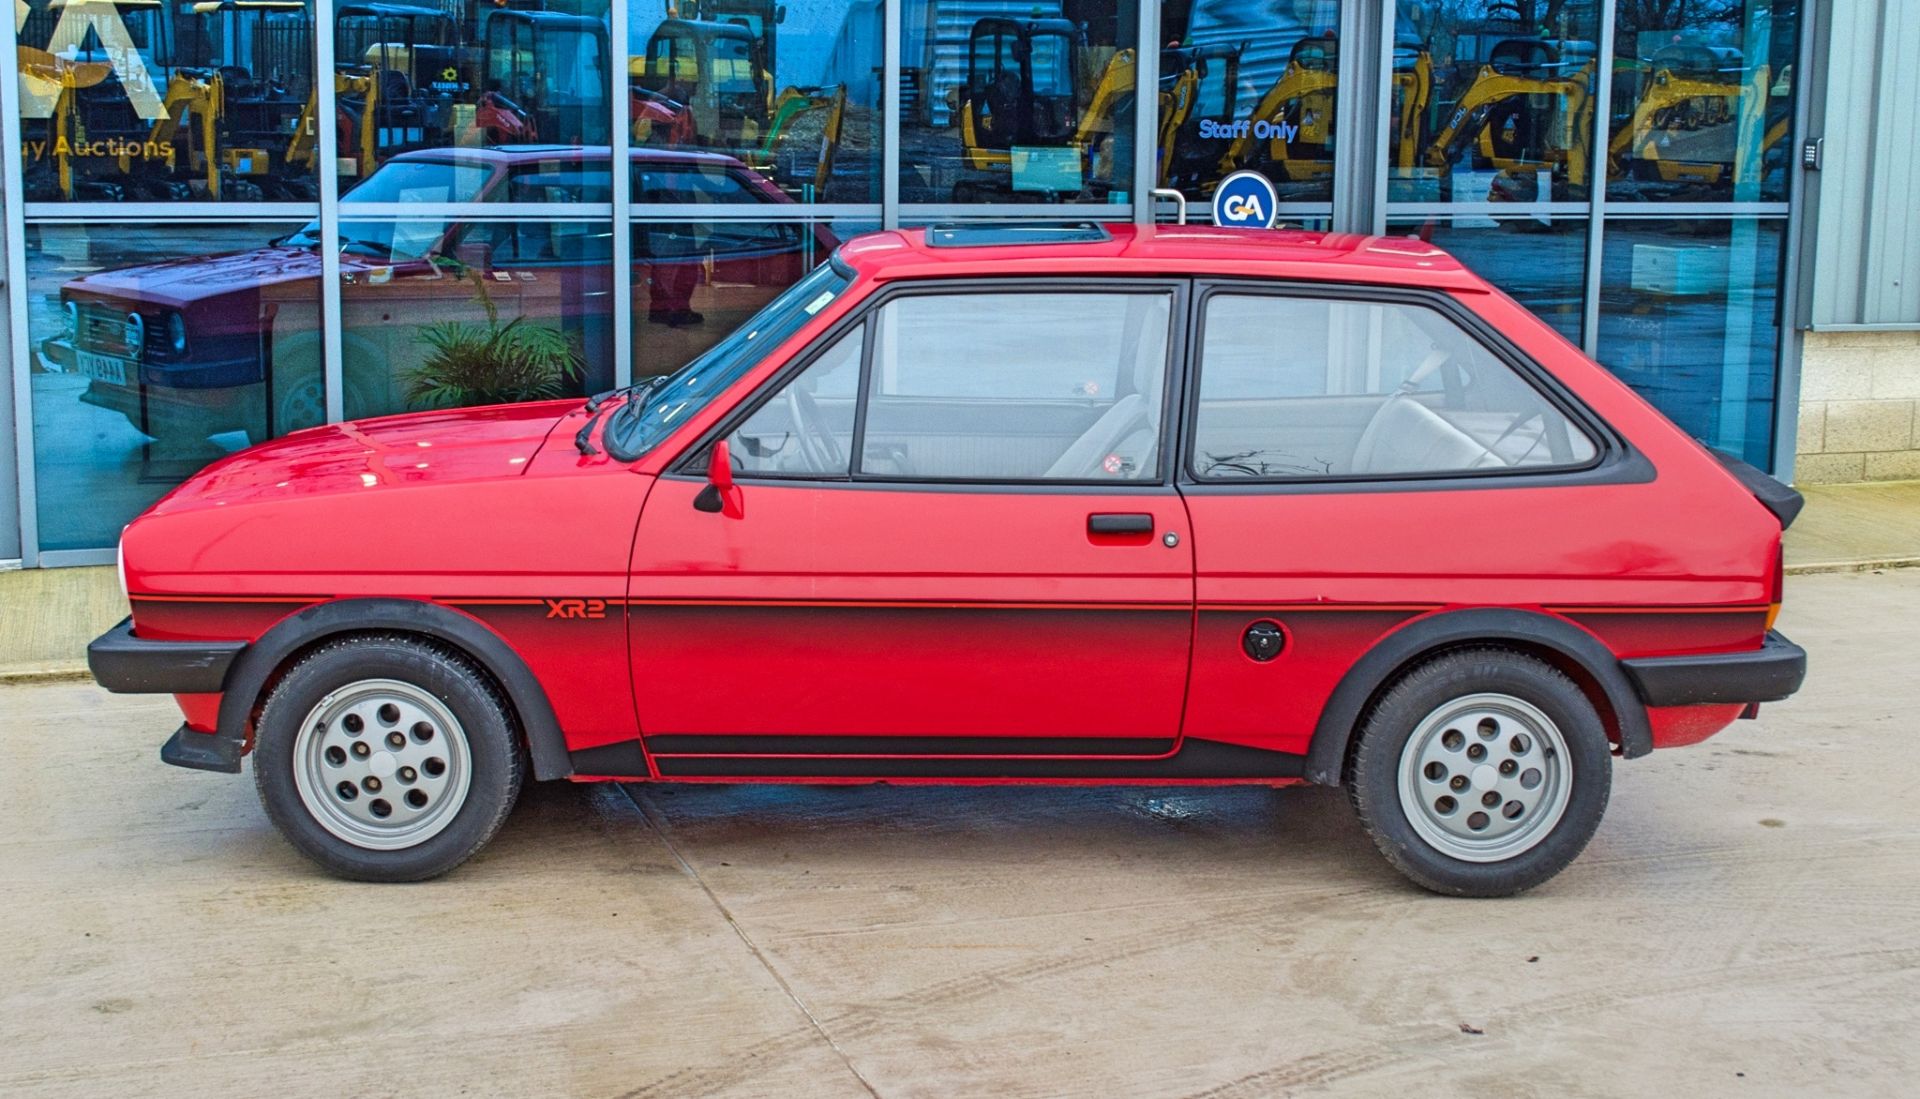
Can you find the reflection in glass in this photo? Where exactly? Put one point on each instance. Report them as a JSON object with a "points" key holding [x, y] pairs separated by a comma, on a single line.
{"points": [[470, 76], [1689, 316], [1540, 260], [1028, 102], [1702, 101], [1247, 84], [694, 282], [155, 351], [789, 87], [139, 100], [447, 312], [1492, 100]]}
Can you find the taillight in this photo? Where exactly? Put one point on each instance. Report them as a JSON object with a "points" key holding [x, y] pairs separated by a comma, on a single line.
{"points": [[1778, 592]]}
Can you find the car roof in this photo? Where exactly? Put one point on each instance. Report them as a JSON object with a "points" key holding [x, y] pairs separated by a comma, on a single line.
{"points": [[1177, 250]]}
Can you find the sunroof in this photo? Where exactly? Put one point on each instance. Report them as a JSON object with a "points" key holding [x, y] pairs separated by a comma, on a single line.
{"points": [[980, 235]]}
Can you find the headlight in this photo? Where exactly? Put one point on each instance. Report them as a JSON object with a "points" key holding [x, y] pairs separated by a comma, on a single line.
{"points": [[133, 333], [177, 333], [70, 313], [120, 561]]}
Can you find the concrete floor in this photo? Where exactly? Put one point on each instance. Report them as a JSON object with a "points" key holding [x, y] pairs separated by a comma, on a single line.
{"points": [[1747, 922], [1846, 526]]}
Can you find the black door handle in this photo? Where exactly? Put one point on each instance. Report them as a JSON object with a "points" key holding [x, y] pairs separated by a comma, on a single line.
{"points": [[1120, 523]]}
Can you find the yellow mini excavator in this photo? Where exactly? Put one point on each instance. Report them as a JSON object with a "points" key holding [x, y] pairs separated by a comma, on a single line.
{"points": [[1197, 84], [1685, 129], [1022, 93], [1289, 135], [784, 131], [357, 126], [1526, 111]]}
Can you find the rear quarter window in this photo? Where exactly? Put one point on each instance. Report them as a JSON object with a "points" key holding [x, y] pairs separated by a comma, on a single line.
{"points": [[1315, 388]]}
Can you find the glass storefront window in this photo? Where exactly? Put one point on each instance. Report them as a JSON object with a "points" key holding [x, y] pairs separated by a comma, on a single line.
{"points": [[155, 350], [143, 100], [477, 222], [1017, 102], [472, 75], [1702, 102], [1248, 84], [1690, 317], [1540, 260], [791, 89], [694, 282], [1493, 100], [452, 311]]}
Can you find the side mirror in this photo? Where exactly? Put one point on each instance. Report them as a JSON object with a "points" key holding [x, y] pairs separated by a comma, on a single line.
{"points": [[721, 495]]}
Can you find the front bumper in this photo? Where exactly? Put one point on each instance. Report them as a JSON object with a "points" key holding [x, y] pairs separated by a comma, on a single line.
{"points": [[1768, 674], [125, 663]]}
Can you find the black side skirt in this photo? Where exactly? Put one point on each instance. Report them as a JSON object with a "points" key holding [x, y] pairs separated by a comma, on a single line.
{"points": [[1196, 759]]}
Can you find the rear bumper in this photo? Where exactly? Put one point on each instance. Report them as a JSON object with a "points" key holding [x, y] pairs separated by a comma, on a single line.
{"points": [[1768, 674], [125, 663]]}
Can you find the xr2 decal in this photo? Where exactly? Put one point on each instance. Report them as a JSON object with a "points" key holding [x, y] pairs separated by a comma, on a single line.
{"points": [[576, 608]]}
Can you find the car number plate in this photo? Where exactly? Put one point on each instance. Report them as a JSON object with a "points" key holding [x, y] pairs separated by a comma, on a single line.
{"points": [[105, 368]]}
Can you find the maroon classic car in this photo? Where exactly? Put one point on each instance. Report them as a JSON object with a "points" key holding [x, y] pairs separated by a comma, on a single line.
{"points": [[195, 347]]}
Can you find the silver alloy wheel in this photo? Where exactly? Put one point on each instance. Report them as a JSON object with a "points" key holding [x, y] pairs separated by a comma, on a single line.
{"points": [[302, 405], [1485, 777], [382, 764]]}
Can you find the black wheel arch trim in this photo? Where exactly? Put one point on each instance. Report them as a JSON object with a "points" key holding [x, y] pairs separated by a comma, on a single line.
{"points": [[1530, 630], [256, 664]]}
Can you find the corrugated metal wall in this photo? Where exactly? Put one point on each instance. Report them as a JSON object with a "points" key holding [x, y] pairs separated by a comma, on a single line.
{"points": [[1865, 200]]}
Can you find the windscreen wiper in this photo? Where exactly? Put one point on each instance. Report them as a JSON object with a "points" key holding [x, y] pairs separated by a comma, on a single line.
{"points": [[583, 439]]}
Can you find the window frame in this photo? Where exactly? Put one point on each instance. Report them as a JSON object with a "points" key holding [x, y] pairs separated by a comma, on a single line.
{"points": [[1615, 461], [691, 461], [808, 358]]}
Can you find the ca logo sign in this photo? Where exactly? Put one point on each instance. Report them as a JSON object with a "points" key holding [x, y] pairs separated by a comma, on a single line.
{"points": [[46, 74], [1245, 200], [1244, 208]]}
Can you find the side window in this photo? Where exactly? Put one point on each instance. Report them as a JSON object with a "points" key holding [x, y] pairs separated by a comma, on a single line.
{"points": [[1018, 387], [1305, 387], [806, 429]]}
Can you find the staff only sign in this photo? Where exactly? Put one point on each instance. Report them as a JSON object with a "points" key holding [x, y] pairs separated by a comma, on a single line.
{"points": [[1245, 200]]}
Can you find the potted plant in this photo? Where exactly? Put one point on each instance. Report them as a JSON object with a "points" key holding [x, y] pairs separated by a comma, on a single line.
{"points": [[492, 363]]}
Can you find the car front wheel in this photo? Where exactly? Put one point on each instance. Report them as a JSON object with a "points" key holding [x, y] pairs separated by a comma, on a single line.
{"points": [[1481, 773], [387, 758]]}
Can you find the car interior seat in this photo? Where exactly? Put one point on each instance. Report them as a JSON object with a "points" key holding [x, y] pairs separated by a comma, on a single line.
{"points": [[1129, 430], [1405, 436]]}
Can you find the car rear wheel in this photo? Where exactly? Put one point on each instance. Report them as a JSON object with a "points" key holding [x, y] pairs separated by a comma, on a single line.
{"points": [[387, 758], [1481, 773]]}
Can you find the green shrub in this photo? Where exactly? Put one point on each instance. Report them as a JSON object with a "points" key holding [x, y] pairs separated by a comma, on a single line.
{"points": [[493, 363]]}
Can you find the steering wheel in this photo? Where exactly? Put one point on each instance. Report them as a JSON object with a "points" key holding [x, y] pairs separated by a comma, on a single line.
{"points": [[818, 446]]}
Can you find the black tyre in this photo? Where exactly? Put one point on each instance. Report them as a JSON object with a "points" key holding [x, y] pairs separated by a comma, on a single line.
{"points": [[387, 758], [1481, 773]]}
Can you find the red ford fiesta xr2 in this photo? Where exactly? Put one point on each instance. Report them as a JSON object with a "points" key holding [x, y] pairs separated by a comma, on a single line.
{"points": [[1084, 504]]}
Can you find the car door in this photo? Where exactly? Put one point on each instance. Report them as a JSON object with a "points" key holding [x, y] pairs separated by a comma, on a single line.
{"points": [[952, 534]]}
